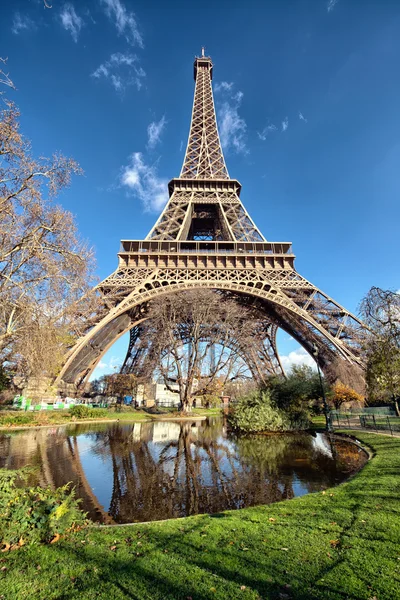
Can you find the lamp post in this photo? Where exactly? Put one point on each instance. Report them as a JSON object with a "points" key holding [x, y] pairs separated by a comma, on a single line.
{"points": [[328, 425]]}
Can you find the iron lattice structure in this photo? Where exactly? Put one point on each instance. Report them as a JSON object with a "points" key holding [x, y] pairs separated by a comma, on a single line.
{"points": [[204, 238], [261, 357]]}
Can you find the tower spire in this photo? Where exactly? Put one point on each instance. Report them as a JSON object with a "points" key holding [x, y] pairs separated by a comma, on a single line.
{"points": [[204, 201], [204, 158]]}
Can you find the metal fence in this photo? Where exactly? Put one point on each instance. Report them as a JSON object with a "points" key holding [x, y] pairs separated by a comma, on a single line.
{"points": [[375, 421]]}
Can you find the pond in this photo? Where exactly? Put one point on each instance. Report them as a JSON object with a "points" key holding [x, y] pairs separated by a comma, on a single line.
{"points": [[148, 471]]}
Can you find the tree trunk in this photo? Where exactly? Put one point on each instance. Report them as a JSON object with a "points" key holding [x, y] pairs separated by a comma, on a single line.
{"points": [[187, 405], [396, 406]]}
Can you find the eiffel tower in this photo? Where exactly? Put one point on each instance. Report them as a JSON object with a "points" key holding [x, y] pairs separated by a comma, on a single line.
{"points": [[205, 238]]}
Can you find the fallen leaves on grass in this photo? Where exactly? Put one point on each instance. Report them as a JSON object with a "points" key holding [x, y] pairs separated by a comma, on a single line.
{"points": [[55, 538]]}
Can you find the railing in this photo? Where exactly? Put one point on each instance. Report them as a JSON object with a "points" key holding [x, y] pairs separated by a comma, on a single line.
{"points": [[375, 421], [208, 247]]}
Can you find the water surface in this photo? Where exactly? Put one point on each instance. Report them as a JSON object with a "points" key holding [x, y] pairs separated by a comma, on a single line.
{"points": [[166, 469]]}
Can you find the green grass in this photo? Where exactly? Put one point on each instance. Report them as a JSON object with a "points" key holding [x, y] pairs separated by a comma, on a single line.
{"points": [[342, 544], [318, 421], [15, 419]]}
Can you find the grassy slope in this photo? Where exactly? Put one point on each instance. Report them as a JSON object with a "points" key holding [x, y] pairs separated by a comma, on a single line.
{"points": [[344, 544]]}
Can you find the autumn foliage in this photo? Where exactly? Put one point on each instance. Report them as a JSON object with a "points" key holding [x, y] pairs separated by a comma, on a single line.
{"points": [[342, 393]]}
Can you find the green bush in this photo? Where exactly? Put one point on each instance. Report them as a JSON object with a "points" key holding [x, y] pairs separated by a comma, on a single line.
{"points": [[16, 418], [81, 411], [257, 412], [32, 515], [211, 401], [298, 419], [300, 389]]}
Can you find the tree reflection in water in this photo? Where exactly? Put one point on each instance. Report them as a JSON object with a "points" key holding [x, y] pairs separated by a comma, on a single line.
{"points": [[167, 470], [171, 469]]}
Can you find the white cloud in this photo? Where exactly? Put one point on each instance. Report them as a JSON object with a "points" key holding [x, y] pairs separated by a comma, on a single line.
{"points": [[297, 357], [121, 70], [21, 23], [154, 131], [143, 181], [115, 362], [104, 368], [302, 117], [181, 146], [232, 127], [331, 5], [285, 124], [223, 86], [266, 131], [70, 21], [124, 20]]}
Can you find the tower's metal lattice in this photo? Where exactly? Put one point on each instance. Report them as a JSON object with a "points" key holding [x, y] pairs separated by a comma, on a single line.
{"points": [[204, 237]]}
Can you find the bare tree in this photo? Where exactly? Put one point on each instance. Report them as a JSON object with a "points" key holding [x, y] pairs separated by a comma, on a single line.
{"points": [[45, 268], [184, 327], [4, 77], [120, 384], [380, 311]]}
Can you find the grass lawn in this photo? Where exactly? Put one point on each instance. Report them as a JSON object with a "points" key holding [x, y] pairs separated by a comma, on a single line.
{"points": [[342, 544], [15, 419], [318, 421]]}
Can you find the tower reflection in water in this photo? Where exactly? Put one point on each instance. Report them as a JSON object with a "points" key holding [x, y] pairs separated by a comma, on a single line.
{"points": [[166, 469]]}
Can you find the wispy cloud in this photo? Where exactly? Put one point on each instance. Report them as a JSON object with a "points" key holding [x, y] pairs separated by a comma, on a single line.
{"points": [[302, 117], [70, 21], [181, 146], [232, 127], [154, 131], [121, 70], [22, 23], [223, 86], [103, 367], [331, 5], [124, 20], [296, 358], [266, 131], [285, 124], [142, 179]]}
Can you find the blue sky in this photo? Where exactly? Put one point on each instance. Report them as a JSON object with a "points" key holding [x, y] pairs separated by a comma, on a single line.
{"points": [[307, 96]]}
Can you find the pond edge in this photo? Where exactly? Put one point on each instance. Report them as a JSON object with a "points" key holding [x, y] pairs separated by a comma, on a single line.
{"points": [[344, 436]]}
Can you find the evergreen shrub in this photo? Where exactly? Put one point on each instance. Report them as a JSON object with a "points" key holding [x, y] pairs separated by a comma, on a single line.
{"points": [[257, 412], [81, 411]]}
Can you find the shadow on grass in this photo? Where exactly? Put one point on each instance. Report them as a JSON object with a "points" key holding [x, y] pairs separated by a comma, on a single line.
{"points": [[332, 546]]}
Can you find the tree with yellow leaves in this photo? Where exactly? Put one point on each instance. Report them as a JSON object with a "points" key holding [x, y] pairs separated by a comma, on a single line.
{"points": [[342, 393]]}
